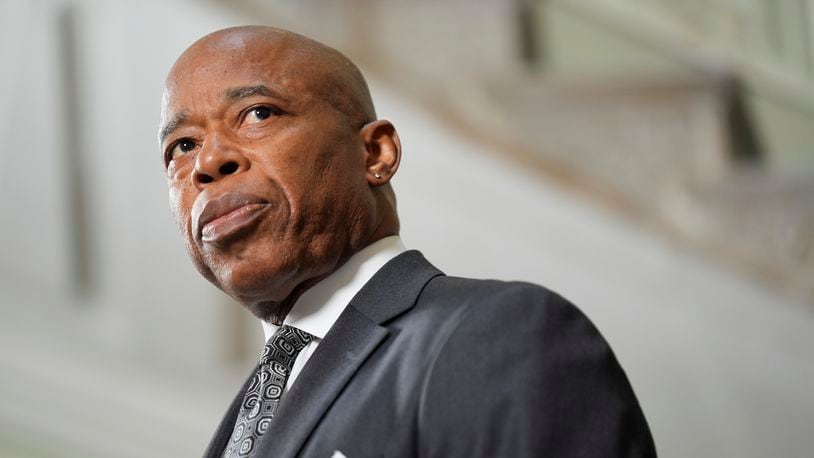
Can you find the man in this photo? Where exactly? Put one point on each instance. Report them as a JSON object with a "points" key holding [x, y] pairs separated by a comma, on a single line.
{"points": [[279, 179]]}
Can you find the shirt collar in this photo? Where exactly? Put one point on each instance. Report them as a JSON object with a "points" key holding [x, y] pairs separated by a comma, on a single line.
{"points": [[318, 308]]}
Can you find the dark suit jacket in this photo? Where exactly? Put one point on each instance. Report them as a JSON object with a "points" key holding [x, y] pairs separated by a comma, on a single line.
{"points": [[422, 364]]}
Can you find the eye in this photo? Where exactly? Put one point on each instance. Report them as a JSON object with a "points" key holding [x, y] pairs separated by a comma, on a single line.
{"points": [[260, 113], [183, 146]]}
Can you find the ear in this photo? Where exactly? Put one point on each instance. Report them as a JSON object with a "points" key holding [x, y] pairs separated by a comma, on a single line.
{"points": [[383, 151]]}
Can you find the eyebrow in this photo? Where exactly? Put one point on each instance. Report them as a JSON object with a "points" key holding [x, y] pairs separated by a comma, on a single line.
{"points": [[232, 95], [174, 123], [237, 93]]}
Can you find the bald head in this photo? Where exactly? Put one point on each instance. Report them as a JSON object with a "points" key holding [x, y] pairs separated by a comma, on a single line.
{"points": [[278, 169], [311, 67]]}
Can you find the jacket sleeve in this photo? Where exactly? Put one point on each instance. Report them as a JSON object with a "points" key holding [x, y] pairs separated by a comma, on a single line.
{"points": [[525, 373]]}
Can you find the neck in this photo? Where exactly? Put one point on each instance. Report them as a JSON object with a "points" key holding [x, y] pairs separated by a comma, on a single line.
{"points": [[326, 299]]}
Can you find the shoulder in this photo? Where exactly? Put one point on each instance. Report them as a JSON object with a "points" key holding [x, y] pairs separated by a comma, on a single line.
{"points": [[514, 306], [532, 327], [521, 370]]}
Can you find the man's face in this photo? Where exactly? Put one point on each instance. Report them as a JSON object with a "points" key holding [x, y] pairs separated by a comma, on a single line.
{"points": [[267, 180]]}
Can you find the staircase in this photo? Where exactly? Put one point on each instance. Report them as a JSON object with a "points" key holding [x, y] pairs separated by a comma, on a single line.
{"points": [[691, 117]]}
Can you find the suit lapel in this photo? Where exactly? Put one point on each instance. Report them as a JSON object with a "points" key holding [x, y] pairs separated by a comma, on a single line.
{"points": [[227, 423], [340, 354], [349, 343]]}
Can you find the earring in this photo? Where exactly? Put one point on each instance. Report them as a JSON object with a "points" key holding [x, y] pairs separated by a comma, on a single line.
{"points": [[377, 175]]}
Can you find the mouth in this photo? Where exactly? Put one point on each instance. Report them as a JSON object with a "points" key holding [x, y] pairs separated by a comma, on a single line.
{"points": [[228, 216]]}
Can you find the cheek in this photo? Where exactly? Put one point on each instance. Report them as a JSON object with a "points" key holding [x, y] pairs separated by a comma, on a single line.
{"points": [[180, 206]]}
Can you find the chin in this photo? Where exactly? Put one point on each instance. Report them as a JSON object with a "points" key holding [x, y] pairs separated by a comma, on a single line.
{"points": [[250, 284]]}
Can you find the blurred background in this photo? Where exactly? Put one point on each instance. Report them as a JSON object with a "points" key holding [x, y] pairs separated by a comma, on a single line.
{"points": [[651, 160]]}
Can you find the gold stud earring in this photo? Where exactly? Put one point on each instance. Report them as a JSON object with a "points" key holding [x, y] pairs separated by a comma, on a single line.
{"points": [[377, 175]]}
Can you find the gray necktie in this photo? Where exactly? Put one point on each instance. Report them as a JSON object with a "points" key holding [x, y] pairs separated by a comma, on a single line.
{"points": [[267, 385]]}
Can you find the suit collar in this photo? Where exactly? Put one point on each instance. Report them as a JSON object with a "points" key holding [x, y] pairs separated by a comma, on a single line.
{"points": [[352, 339], [395, 287]]}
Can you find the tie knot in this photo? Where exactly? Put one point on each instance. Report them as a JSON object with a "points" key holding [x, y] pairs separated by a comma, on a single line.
{"points": [[285, 344]]}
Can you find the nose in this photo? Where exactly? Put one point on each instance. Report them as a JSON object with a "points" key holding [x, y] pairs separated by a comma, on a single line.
{"points": [[217, 160]]}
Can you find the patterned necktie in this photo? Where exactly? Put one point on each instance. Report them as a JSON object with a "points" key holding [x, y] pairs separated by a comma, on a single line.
{"points": [[267, 385]]}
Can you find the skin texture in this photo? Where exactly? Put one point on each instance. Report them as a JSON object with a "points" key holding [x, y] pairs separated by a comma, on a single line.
{"points": [[273, 139]]}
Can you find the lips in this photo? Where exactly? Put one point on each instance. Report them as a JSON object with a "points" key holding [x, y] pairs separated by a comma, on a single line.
{"points": [[226, 216]]}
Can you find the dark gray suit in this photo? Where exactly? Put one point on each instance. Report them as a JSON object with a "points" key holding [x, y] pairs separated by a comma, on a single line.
{"points": [[422, 364]]}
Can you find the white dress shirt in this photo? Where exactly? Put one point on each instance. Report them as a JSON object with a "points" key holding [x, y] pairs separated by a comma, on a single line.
{"points": [[316, 311]]}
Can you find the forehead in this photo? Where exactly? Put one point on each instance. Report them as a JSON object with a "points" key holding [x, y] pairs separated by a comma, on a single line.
{"points": [[207, 72]]}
